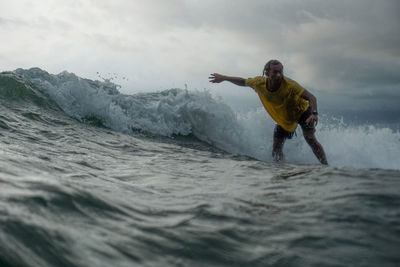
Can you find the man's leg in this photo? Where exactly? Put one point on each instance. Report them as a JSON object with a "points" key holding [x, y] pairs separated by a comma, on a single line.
{"points": [[277, 153], [280, 136], [314, 144]]}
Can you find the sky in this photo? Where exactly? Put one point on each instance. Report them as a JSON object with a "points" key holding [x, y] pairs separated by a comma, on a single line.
{"points": [[345, 52]]}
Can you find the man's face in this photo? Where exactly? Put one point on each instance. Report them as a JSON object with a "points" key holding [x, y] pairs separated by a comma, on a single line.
{"points": [[275, 73]]}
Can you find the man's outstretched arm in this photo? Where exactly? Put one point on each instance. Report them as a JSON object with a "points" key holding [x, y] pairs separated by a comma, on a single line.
{"points": [[217, 78]]}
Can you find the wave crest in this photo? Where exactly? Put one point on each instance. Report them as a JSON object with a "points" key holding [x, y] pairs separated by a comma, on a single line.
{"points": [[181, 112]]}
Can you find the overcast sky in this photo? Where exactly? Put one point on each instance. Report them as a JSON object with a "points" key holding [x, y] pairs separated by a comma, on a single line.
{"points": [[341, 47]]}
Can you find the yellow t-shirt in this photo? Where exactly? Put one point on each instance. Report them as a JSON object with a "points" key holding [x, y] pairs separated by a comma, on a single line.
{"points": [[284, 105]]}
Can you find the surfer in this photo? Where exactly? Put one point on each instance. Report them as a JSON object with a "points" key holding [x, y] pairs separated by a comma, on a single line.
{"points": [[287, 103]]}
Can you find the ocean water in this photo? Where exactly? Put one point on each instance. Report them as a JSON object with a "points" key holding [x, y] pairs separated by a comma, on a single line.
{"points": [[93, 177]]}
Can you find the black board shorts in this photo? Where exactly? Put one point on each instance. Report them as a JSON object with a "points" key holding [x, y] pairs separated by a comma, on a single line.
{"points": [[279, 132]]}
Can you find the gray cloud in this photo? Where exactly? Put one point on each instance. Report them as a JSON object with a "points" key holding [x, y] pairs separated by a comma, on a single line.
{"points": [[343, 47], [337, 45]]}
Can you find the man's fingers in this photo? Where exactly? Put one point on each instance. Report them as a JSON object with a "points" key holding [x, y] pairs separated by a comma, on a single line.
{"points": [[311, 121], [214, 78]]}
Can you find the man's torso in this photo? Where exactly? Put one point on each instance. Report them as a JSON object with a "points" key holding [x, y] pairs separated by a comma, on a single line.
{"points": [[285, 105]]}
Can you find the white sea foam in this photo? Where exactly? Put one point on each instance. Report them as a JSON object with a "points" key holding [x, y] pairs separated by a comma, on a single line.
{"points": [[183, 112]]}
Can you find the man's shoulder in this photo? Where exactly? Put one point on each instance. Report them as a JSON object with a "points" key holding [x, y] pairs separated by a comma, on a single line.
{"points": [[256, 81], [293, 85], [259, 78], [291, 82]]}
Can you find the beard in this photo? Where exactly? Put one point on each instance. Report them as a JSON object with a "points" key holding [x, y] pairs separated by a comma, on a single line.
{"points": [[276, 82]]}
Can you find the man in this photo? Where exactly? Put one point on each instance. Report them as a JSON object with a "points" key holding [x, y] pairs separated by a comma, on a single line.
{"points": [[288, 104]]}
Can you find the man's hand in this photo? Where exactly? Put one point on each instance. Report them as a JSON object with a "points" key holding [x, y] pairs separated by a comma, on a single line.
{"points": [[216, 78], [312, 120]]}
